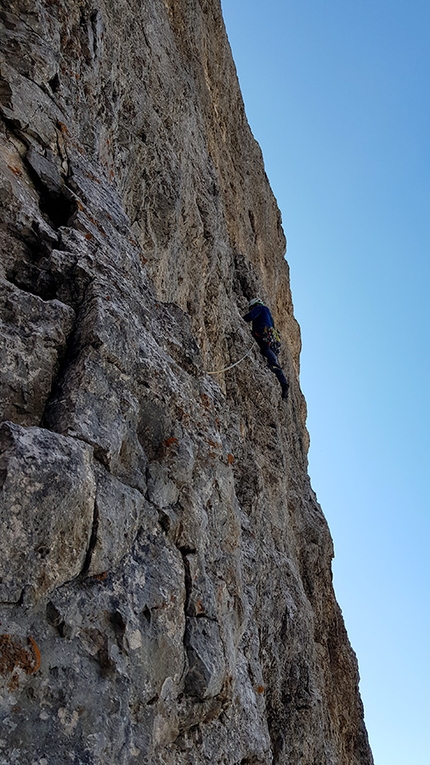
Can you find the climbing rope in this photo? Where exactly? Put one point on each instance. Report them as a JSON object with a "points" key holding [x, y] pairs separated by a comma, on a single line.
{"points": [[219, 371]]}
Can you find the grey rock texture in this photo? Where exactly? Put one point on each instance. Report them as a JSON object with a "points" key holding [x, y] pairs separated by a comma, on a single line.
{"points": [[165, 568]]}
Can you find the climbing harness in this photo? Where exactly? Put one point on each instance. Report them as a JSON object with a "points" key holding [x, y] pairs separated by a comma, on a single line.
{"points": [[219, 371], [272, 337]]}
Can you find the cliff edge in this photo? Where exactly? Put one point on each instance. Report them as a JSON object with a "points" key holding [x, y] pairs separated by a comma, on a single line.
{"points": [[165, 569]]}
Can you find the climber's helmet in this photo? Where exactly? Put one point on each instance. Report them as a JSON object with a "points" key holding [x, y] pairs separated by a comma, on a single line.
{"points": [[255, 301]]}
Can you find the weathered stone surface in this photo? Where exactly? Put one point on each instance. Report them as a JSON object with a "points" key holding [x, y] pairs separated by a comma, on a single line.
{"points": [[119, 513], [34, 336], [206, 671], [166, 591], [47, 506]]}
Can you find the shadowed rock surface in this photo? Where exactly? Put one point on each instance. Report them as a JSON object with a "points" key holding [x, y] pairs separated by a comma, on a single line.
{"points": [[165, 584]]}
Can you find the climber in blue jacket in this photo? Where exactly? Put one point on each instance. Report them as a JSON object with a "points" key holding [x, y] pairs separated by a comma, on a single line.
{"points": [[262, 321]]}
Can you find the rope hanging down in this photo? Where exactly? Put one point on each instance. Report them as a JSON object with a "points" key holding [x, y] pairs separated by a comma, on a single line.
{"points": [[219, 371]]}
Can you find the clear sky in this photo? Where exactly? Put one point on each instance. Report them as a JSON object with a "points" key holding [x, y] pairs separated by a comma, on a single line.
{"points": [[337, 95]]}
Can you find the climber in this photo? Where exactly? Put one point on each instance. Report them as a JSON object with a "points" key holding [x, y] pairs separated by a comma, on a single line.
{"points": [[263, 332]]}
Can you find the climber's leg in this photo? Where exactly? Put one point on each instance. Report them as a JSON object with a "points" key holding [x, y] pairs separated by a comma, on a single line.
{"points": [[275, 367]]}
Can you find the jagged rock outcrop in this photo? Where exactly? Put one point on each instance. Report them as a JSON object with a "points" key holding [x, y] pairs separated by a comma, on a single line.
{"points": [[165, 580]]}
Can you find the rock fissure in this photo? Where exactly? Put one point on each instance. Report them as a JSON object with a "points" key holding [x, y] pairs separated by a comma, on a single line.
{"points": [[187, 576], [92, 540]]}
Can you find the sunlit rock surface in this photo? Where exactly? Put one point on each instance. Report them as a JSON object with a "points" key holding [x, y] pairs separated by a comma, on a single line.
{"points": [[166, 592]]}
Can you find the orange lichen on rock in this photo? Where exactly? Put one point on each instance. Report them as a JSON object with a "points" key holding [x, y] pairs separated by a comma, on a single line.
{"points": [[62, 127], [170, 441], [199, 607], [15, 170], [36, 652], [13, 656]]}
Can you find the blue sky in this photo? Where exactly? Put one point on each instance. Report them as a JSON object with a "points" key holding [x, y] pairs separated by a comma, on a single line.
{"points": [[337, 95]]}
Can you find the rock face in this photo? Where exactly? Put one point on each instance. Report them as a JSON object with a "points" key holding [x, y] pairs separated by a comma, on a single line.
{"points": [[165, 580]]}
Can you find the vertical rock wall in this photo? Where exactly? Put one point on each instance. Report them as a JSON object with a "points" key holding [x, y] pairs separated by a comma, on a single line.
{"points": [[165, 569]]}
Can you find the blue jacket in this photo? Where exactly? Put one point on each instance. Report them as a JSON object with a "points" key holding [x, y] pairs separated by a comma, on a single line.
{"points": [[260, 317]]}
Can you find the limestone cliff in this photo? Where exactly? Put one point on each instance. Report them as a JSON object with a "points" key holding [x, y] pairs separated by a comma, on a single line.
{"points": [[165, 583]]}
